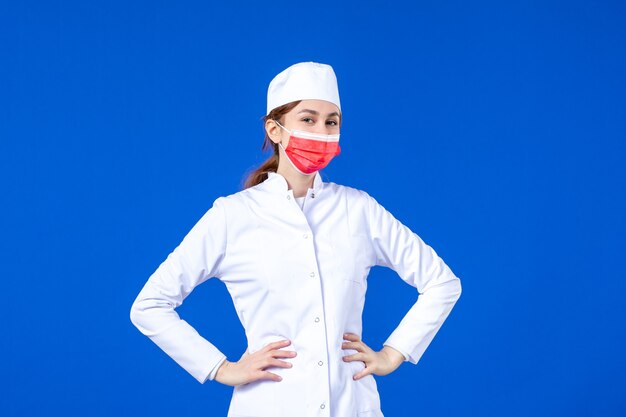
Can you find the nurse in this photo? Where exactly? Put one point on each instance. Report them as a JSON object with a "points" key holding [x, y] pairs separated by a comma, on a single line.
{"points": [[294, 253]]}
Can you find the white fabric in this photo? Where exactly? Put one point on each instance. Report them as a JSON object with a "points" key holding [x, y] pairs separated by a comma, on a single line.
{"points": [[300, 201], [303, 81], [297, 274], [213, 373]]}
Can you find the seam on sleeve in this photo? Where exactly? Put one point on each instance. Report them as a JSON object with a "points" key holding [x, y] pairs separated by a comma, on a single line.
{"points": [[368, 201], [219, 200]]}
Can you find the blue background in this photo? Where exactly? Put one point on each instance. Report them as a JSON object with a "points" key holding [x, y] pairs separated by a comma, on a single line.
{"points": [[495, 130]]}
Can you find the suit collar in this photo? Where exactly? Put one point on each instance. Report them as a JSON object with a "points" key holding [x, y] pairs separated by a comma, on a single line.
{"points": [[275, 182]]}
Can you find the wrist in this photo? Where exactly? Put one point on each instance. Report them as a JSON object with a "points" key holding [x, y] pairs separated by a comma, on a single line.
{"points": [[394, 356], [220, 371]]}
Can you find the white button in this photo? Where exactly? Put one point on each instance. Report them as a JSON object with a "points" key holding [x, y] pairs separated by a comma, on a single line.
{"points": [[320, 363], [288, 197], [312, 274], [317, 319], [305, 235], [323, 406]]}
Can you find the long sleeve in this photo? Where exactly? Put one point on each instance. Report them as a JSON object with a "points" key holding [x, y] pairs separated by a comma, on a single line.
{"points": [[398, 248], [196, 259]]}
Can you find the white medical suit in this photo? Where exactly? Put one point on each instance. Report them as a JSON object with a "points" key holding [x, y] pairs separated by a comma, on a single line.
{"points": [[297, 273]]}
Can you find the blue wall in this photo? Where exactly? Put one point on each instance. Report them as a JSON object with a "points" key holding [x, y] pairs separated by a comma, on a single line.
{"points": [[494, 130]]}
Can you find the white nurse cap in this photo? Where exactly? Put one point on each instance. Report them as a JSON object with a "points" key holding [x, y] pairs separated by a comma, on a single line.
{"points": [[303, 81]]}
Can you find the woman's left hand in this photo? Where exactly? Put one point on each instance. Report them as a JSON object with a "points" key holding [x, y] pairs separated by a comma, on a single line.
{"points": [[378, 363]]}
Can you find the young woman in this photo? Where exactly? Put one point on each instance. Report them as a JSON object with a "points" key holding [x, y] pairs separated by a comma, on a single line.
{"points": [[294, 253]]}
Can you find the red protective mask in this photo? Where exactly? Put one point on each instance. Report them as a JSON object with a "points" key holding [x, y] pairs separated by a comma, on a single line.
{"points": [[310, 152]]}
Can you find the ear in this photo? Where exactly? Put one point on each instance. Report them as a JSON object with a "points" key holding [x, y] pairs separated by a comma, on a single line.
{"points": [[273, 131]]}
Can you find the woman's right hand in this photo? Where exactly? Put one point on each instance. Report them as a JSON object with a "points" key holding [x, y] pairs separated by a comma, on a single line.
{"points": [[251, 367]]}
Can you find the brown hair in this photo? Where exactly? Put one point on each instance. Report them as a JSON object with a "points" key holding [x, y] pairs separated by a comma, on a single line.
{"points": [[271, 164]]}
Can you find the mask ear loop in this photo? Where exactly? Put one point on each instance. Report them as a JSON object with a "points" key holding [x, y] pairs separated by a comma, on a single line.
{"points": [[287, 130]]}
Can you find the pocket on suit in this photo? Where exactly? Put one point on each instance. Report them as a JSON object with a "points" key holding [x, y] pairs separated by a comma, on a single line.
{"points": [[370, 413], [353, 258], [254, 398]]}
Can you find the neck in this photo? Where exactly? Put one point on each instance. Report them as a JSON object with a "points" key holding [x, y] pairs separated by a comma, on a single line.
{"points": [[296, 181]]}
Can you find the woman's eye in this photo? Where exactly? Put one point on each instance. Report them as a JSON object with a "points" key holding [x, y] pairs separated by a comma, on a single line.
{"points": [[332, 122], [307, 120]]}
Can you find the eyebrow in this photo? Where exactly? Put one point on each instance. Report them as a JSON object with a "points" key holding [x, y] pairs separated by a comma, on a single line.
{"points": [[315, 113]]}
